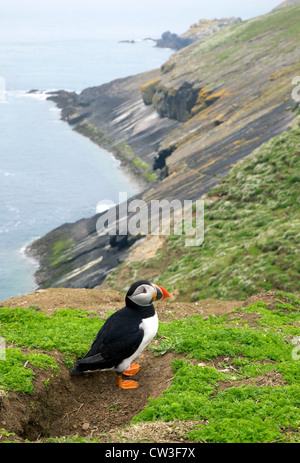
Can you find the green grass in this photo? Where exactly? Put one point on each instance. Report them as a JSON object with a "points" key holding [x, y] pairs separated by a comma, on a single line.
{"points": [[138, 162], [68, 331], [245, 412], [238, 414], [151, 176], [221, 336], [145, 169], [60, 251], [14, 375]]}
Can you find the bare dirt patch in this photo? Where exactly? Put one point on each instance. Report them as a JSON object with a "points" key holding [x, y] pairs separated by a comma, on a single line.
{"points": [[158, 431], [62, 298], [86, 405], [102, 301], [269, 297]]}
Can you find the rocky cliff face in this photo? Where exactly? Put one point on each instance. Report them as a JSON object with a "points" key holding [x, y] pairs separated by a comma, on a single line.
{"points": [[180, 128], [114, 116]]}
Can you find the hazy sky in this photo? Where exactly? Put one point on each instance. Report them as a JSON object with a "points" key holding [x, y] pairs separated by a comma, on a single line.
{"points": [[136, 16]]}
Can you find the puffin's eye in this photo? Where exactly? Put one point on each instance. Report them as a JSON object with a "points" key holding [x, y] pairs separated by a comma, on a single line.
{"points": [[144, 290]]}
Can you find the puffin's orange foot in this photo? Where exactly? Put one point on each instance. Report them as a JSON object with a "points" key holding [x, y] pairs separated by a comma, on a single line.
{"points": [[127, 384], [132, 370]]}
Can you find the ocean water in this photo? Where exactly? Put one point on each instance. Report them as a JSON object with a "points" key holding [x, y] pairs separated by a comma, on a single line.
{"points": [[50, 174]]}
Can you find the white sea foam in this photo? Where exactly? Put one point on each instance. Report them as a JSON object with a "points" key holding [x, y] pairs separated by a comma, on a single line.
{"points": [[36, 94], [6, 173], [39, 94], [13, 209], [22, 252], [103, 206]]}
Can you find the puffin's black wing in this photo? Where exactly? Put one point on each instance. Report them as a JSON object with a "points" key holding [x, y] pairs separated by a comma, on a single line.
{"points": [[119, 338]]}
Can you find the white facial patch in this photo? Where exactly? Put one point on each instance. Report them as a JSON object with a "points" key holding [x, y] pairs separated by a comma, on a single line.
{"points": [[143, 295]]}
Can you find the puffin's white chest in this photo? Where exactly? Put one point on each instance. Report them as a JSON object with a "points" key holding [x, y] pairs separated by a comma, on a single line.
{"points": [[150, 327]]}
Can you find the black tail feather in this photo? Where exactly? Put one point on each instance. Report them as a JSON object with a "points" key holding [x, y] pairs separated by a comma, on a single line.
{"points": [[95, 362]]}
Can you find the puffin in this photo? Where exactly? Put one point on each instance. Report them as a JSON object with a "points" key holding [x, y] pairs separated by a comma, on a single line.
{"points": [[125, 334]]}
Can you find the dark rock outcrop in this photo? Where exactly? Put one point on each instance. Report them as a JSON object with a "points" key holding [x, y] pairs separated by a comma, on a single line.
{"points": [[175, 103], [198, 31], [174, 41]]}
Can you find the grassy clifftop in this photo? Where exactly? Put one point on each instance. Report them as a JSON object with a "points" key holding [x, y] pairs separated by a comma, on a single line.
{"points": [[251, 232]]}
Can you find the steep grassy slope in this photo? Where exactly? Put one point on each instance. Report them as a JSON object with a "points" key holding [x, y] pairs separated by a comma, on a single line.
{"points": [[251, 232]]}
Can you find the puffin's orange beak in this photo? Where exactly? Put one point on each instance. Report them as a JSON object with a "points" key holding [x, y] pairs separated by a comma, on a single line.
{"points": [[162, 293]]}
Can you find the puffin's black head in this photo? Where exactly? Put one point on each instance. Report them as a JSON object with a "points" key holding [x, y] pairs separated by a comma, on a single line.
{"points": [[143, 293]]}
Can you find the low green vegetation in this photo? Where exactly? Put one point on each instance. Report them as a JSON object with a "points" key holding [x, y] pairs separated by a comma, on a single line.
{"points": [[137, 162], [237, 400], [251, 232], [68, 331], [61, 250], [14, 374], [145, 169]]}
